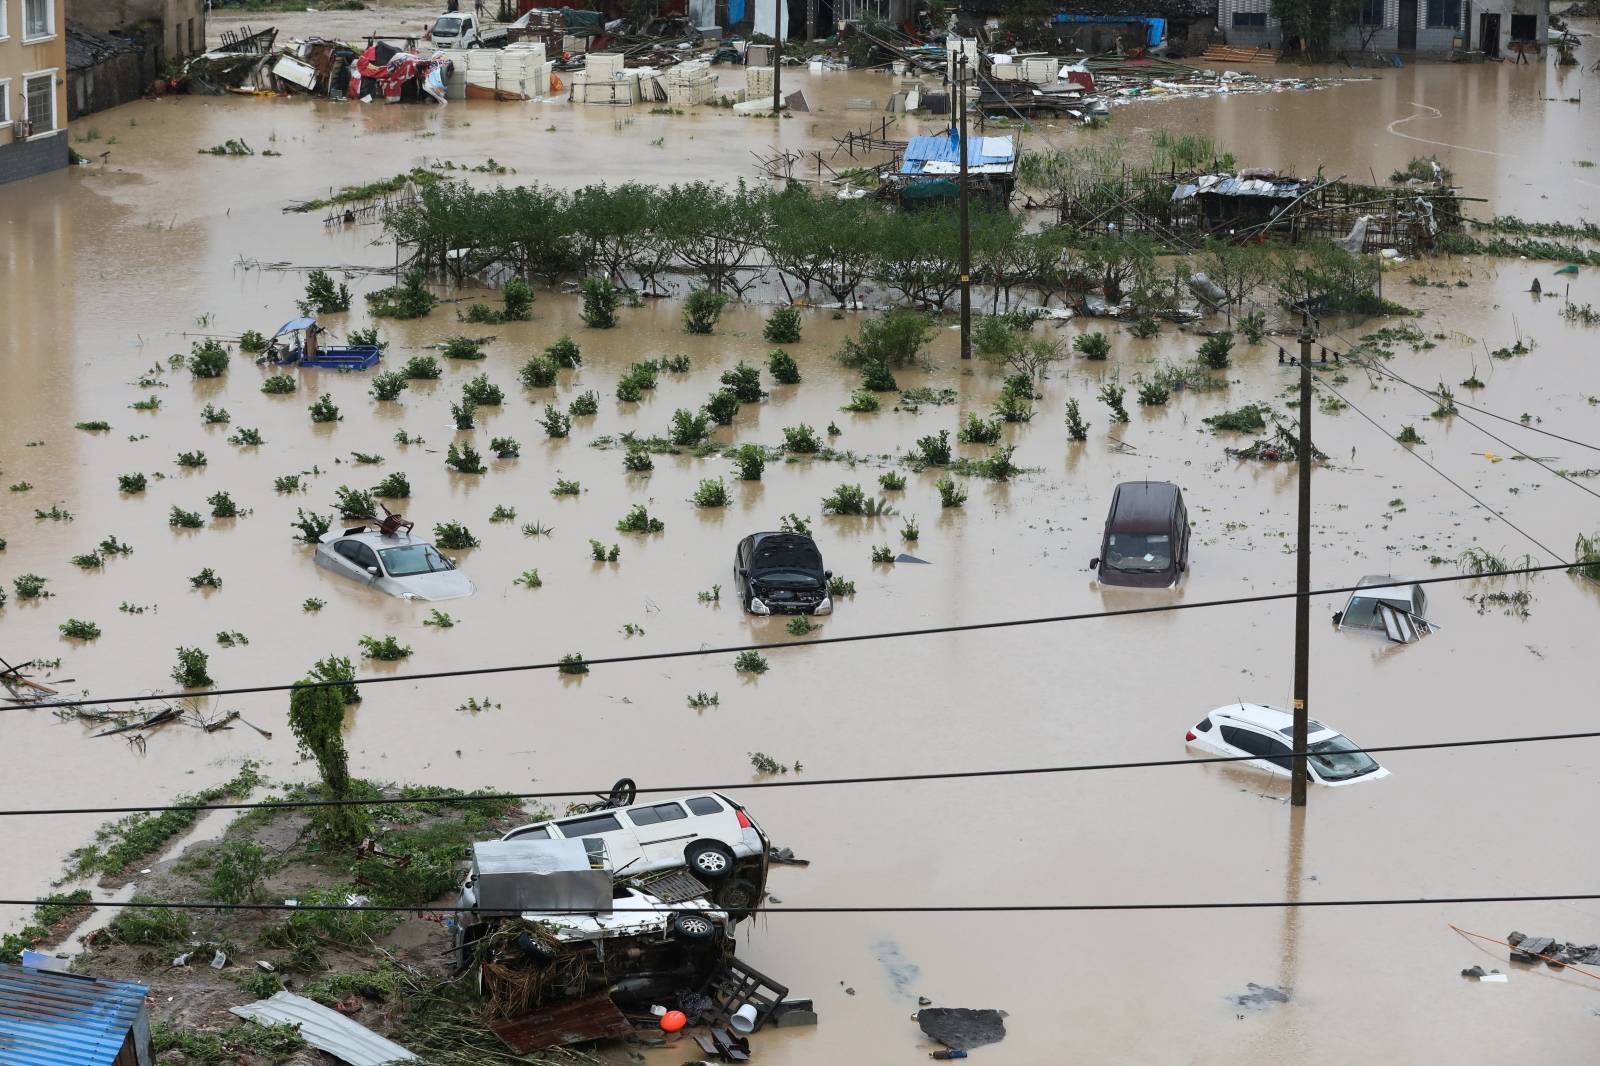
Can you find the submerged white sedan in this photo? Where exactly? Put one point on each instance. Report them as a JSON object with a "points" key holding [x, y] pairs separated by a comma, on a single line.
{"points": [[399, 565]]}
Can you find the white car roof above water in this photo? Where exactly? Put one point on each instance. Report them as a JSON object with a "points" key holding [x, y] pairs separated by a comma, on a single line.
{"points": [[1259, 714]]}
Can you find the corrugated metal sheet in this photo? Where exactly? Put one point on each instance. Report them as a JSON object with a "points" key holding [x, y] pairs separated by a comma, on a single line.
{"points": [[940, 148], [56, 1019], [324, 1029], [1228, 185]]}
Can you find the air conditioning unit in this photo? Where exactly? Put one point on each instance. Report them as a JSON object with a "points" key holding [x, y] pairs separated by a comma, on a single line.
{"points": [[19, 129]]}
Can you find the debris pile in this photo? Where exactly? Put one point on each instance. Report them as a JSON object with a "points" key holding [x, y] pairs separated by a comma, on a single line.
{"points": [[1525, 948]]}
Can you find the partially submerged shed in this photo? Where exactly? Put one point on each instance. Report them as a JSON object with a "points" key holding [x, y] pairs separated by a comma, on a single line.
{"points": [[930, 168], [61, 1019]]}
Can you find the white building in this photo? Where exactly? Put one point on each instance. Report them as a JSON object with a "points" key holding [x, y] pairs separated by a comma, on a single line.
{"points": [[1436, 26]]}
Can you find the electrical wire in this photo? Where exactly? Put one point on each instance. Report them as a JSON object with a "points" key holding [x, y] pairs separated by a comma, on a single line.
{"points": [[1422, 459], [943, 775], [854, 638], [1351, 355], [929, 908], [1385, 372]]}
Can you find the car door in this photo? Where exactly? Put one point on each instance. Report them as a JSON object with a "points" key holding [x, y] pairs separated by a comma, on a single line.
{"points": [[741, 564], [1251, 742], [367, 560], [663, 831], [348, 553], [622, 845]]}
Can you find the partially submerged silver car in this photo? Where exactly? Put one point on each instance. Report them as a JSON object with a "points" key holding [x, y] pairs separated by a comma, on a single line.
{"points": [[397, 564], [1383, 605]]}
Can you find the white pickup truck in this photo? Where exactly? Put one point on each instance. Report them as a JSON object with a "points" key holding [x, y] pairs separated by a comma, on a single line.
{"points": [[464, 31]]}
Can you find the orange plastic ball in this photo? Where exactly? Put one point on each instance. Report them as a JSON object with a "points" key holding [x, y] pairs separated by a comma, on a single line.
{"points": [[673, 1020]]}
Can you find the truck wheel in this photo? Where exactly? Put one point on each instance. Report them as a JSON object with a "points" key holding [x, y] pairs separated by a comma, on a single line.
{"points": [[708, 860], [693, 927], [738, 896]]}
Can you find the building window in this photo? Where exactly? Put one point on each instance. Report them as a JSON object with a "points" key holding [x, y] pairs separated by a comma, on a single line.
{"points": [[1371, 13], [1524, 27], [38, 19], [5, 95], [1444, 14], [191, 35], [39, 90], [1256, 19], [4, 33]]}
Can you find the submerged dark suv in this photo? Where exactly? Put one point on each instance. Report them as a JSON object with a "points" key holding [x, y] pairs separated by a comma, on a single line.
{"points": [[1146, 542], [781, 573]]}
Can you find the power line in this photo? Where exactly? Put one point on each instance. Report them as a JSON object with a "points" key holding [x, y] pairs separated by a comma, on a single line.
{"points": [[854, 638], [1423, 460], [1385, 372], [930, 908], [1351, 354], [944, 775]]}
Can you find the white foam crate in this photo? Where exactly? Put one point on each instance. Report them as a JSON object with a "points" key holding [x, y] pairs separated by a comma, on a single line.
{"points": [[758, 81], [603, 65]]}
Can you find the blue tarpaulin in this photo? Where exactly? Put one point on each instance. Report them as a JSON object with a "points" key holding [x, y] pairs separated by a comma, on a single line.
{"points": [[940, 150], [1155, 30]]}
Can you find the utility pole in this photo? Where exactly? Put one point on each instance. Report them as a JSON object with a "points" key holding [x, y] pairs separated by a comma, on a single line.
{"points": [[966, 232], [1302, 577], [777, 55]]}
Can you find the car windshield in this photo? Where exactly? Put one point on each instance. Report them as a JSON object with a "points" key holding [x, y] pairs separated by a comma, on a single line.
{"points": [[1336, 759], [448, 26], [786, 558], [1139, 551], [414, 559]]}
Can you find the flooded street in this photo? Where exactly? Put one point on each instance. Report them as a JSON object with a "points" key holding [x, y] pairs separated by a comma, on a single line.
{"points": [[113, 268]]}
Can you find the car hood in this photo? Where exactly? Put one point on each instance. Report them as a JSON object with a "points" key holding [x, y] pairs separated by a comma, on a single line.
{"points": [[789, 580], [443, 585], [1143, 579]]}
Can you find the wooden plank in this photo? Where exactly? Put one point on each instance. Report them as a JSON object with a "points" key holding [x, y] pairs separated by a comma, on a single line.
{"points": [[590, 1018]]}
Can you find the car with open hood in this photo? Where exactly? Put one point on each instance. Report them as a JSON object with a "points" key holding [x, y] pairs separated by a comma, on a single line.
{"points": [[1146, 539], [781, 573], [396, 563], [1384, 604]]}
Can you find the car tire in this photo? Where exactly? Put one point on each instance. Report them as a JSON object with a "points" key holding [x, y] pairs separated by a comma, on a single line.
{"points": [[693, 927], [623, 793], [536, 949], [737, 896], [708, 861]]}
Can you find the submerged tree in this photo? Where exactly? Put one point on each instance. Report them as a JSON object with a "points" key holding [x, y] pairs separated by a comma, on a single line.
{"points": [[316, 715]]}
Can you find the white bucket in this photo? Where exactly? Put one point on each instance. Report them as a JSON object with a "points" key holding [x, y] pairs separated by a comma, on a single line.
{"points": [[744, 1019]]}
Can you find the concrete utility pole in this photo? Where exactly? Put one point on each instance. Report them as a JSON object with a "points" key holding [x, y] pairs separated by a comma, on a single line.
{"points": [[777, 55], [966, 233], [1302, 577], [811, 21]]}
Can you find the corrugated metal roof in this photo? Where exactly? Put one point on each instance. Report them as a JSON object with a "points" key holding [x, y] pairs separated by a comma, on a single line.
{"points": [[940, 148], [324, 1029], [57, 1019], [1228, 185]]}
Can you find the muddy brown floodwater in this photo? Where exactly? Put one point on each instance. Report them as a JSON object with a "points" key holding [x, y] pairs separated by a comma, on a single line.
{"points": [[108, 270]]}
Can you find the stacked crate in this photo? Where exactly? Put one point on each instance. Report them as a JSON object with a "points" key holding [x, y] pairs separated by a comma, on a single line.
{"points": [[604, 80], [758, 83], [690, 83]]}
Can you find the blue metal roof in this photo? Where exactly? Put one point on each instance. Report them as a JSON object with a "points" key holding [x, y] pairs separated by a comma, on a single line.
{"points": [[294, 324], [58, 1019], [942, 148]]}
